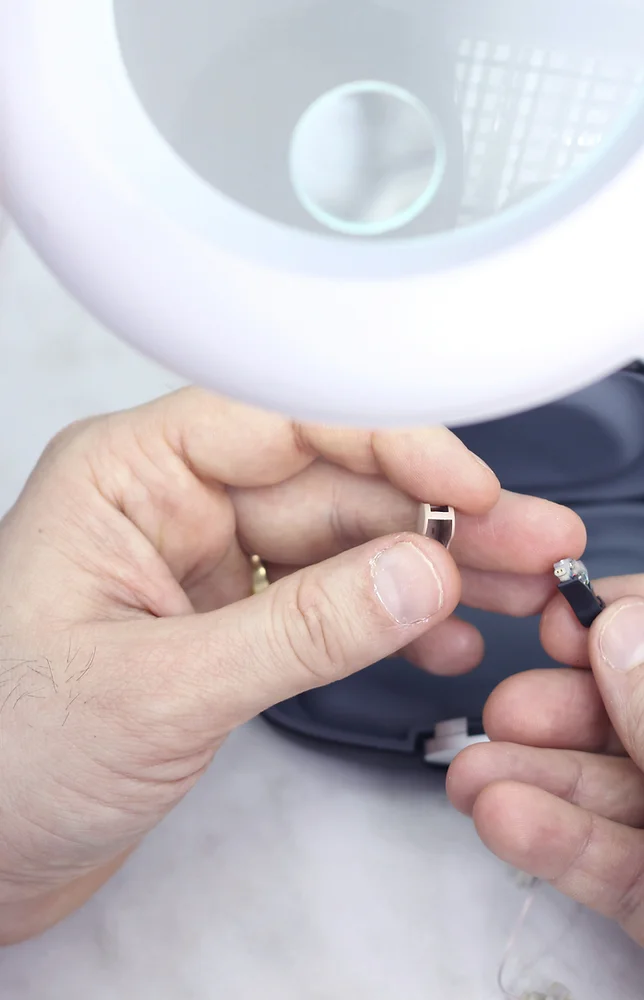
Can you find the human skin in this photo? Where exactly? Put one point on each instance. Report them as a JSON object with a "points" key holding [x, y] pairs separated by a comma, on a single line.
{"points": [[130, 646], [559, 793]]}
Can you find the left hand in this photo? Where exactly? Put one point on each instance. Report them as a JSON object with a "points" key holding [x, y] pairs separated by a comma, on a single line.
{"points": [[130, 647], [559, 793]]}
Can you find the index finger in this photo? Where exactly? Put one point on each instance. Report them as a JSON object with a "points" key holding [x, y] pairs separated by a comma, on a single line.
{"points": [[522, 534], [225, 442]]}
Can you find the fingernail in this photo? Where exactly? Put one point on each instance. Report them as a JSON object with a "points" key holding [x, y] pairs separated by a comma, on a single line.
{"points": [[407, 584], [621, 641]]}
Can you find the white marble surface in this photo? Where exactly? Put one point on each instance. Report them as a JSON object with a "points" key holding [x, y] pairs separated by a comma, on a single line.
{"points": [[288, 873]]}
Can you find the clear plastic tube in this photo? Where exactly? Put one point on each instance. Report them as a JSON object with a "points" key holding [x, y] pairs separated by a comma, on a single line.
{"points": [[555, 992]]}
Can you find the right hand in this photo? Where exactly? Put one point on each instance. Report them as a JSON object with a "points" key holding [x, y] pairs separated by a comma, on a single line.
{"points": [[559, 793]]}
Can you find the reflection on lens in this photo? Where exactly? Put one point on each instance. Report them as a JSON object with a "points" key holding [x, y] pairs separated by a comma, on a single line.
{"points": [[367, 158]]}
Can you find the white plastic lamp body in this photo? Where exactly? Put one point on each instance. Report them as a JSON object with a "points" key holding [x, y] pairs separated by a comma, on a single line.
{"points": [[363, 327]]}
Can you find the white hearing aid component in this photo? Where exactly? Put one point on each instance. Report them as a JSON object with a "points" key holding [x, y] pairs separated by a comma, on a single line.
{"points": [[375, 212], [438, 523], [449, 738]]}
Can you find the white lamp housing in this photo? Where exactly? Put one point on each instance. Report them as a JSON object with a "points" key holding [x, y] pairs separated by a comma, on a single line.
{"points": [[326, 207]]}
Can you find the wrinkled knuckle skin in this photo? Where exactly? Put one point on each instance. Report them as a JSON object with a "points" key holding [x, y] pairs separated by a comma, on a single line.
{"points": [[574, 793], [313, 632], [636, 723], [630, 906]]}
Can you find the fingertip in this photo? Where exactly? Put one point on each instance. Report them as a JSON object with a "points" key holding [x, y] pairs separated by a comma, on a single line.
{"points": [[558, 709], [521, 534], [567, 641], [567, 535], [433, 465], [557, 531], [451, 649], [501, 708], [444, 566], [486, 764], [519, 710], [617, 655], [576, 530], [506, 817], [466, 778], [485, 488], [413, 579]]}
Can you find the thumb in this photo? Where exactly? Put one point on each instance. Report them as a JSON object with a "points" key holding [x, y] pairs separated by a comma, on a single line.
{"points": [[309, 629], [617, 660]]}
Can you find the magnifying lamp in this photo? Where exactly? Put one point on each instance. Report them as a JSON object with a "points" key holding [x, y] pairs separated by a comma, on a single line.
{"points": [[378, 212]]}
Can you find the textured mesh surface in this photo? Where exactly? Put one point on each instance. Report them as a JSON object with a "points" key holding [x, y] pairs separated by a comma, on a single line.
{"points": [[530, 114]]}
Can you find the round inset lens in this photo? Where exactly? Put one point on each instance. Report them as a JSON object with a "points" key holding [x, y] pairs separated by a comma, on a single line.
{"points": [[367, 158]]}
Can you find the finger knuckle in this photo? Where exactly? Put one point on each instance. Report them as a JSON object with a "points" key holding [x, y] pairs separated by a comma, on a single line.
{"points": [[62, 464], [635, 720], [314, 632], [575, 790], [630, 905], [67, 437], [577, 861]]}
